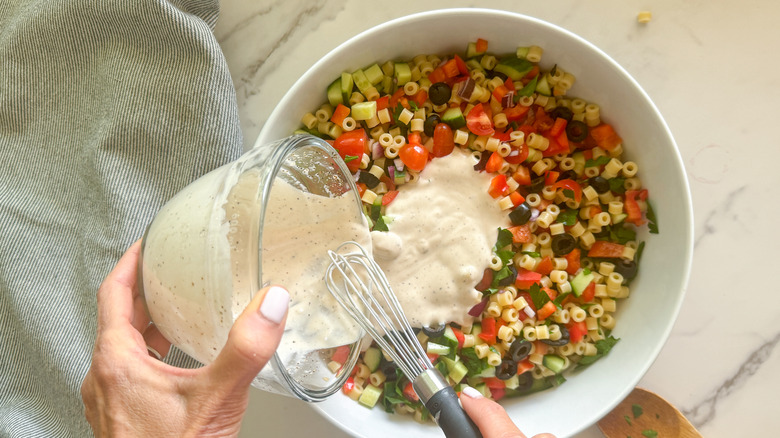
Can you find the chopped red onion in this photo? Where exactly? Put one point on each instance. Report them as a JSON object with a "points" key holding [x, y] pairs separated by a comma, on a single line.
{"points": [[399, 164], [377, 151], [529, 311], [508, 100], [479, 307], [391, 172], [466, 89]]}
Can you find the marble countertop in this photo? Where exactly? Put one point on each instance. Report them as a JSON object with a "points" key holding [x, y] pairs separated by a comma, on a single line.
{"points": [[711, 70]]}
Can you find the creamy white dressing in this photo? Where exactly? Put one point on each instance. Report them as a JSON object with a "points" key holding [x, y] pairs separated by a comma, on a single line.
{"points": [[199, 274], [443, 229]]}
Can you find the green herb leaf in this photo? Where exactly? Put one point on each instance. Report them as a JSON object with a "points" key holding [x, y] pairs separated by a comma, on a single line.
{"points": [[600, 161], [636, 410], [650, 433], [639, 250], [501, 274], [533, 253], [567, 217], [348, 158], [538, 296], [505, 256], [569, 193], [628, 419], [380, 225], [504, 239], [619, 233], [602, 348], [616, 185], [413, 105], [474, 364], [558, 301], [652, 221]]}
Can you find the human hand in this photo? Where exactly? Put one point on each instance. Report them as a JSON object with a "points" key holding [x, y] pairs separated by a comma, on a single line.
{"points": [[490, 417], [127, 392]]}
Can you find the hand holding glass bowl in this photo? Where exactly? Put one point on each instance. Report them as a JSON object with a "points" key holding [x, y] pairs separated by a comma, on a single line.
{"points": [[267, 218], [645, 320]]}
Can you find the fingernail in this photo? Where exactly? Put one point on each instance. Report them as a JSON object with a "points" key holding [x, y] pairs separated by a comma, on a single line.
{"points": [[471, 392], [275, 304]]}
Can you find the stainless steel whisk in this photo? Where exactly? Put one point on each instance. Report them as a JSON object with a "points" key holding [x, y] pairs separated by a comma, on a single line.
{"points": [[363, 290]]}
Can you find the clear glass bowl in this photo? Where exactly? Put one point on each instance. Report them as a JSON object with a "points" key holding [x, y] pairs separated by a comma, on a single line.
{"points": [[267, 218]]}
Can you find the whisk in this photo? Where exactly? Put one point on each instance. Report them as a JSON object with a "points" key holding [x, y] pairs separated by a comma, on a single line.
{"points": [[363, 290]]}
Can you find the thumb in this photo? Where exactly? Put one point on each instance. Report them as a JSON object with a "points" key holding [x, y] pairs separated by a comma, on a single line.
{"points": [[252, 340], [490, 417]]}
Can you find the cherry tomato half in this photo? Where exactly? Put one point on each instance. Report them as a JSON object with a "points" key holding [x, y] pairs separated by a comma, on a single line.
{"points": [[443, 140], [414, 156], [351, 146], [478, 121]]}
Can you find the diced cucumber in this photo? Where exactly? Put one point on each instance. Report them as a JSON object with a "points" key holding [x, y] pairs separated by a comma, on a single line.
{"points": [[543, 87], [474, 64], [476, 329], [346, 86], [370, 396], [581, 281], [439, 349], [471, 50], [386, 85], [450, 337], [458, 371], [364, 110], [403, 73], [361, 81], [374, 74], [522, 52], [372, 357], [334, 93], [553, 363], [618, 218], [454, 117], [515, 68], [483, 389]]}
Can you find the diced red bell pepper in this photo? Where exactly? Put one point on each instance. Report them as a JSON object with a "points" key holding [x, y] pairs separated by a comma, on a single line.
{"points": [[462, 67], [389, 196], [437, 75], [542, 120], [494, 163], [525, 365], [409, 393], [576, 331], [383, 102], [602, 248], [489, 332], [339, 114], [555, 148], [420, 97], [525, 278], [516, 113], [570, 184], [550, 177], [481, 45], [531, 74], [362, 187], [605, 136], [558, 127], [521, 233], [500, 91], [516, 198], [632, 208], [450, 68], [498, 186], [494, 382], [546, 310], [459, 336], [573, 261]]}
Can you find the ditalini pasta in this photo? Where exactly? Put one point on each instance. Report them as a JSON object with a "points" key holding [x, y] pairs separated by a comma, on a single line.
{"points": [[569, 250]]}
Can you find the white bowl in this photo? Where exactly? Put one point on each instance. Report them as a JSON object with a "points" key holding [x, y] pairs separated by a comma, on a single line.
{"points": [[646, 318]]}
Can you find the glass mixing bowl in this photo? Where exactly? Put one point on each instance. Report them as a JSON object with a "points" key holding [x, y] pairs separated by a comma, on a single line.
{"points": [[267, 218]]}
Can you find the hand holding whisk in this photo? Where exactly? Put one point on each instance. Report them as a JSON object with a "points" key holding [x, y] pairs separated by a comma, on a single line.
{"points": [[362, 289]]}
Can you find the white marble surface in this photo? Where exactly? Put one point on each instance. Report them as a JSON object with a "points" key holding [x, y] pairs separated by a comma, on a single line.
{"points": [[710, 67]]}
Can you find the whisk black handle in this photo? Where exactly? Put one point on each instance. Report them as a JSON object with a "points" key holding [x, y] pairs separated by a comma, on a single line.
{"points": [[452, 419]]}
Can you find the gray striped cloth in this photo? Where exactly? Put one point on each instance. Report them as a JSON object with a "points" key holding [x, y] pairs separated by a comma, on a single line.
{"points": [[107, 108]]}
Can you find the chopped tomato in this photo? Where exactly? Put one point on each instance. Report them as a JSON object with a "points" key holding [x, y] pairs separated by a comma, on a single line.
{"points": [[576, 331], [389, 196], [545, 266], [341, 354], [521, 233], [339, 114], [546, 310], [632, 208], [409, 393], [462, 67], [602, 248], [555, 148], [522, 175], [437, 75], [362, 187], [531, 74], [350, 146], [432, 356], [605, 136], [395, 98], [558, 127], [478, 121], [570, 184], [414, 156], [443, 140], [573, 261], [526, 279], [459, 336], [420, 97], [497, 393], [563, 140], [481, 45], [541, 348], [494, 163], [589, 293], [517, 155], [494, 382], [516, 113], [450, 68], [383, 102], [500, 91], [542, 121], [498, 186]]}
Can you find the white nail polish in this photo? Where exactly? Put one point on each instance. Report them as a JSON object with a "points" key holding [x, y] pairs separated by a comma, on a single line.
{"points": [[471, 392], [275, 304]]}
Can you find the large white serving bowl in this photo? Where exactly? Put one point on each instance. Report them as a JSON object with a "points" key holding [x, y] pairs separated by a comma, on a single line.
{"points": [[646, 318]]}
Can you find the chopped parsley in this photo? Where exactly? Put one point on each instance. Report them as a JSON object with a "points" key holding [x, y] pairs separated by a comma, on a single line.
{"points": [[650, 433], [348, 158], [567, 217], [538, 296], [602, 348], [636, 410], [628, 419], [617, 185], [652, 221], [600, 161]]}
